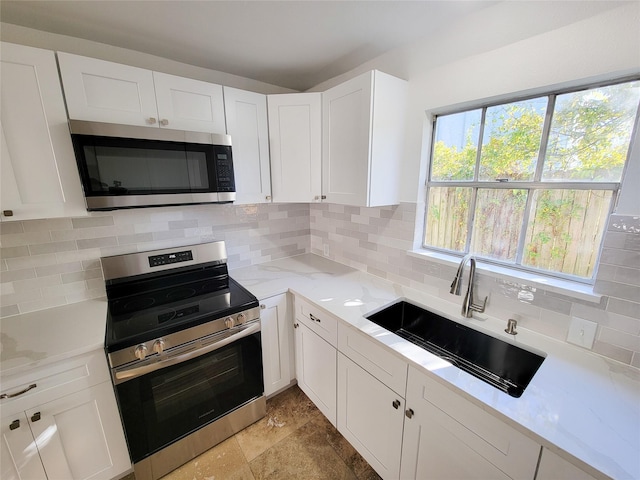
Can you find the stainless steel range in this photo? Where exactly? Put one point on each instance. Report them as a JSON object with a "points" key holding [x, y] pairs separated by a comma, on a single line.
{"points": [[183, 343]]}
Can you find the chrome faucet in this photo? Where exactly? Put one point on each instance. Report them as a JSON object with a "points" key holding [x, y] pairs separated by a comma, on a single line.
{"points": [[468, 306]]}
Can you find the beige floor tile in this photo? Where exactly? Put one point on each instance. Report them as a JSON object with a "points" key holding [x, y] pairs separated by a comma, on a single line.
{"points": [[286, 413], [225, 461], [305, 454]]}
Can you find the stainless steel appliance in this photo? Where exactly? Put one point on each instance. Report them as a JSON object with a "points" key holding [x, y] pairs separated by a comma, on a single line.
{"points": [[124, 166], [183, 343]]}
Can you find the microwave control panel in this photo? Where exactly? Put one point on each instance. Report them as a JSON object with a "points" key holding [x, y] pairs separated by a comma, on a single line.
{"points": [[224, 169]]}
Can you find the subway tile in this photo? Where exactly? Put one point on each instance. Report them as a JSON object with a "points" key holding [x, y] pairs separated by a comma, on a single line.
{"points": [[609, 319], [22, 239], [14, 275], [53, 247], [9, 310], [623, 258], [58, 269], [96, 284], [14, 252], [612, 351], [80, 276], [91, 222], [182, 224], [91, 264], [56, 291], [629, 276], [31, 261], [18, 297], [624, 307], [11, 228], [619, 339], [617, 290], [84, 295], [632, 242], [3, 265], [135, 238], [78, 255], [97, 243], [6, 289], [150, 227], [48, 225], [35, 283], [624, 223], [635, 362], [615, 240]]}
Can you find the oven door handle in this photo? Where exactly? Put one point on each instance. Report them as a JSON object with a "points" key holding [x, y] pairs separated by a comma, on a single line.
{"points": [[130, 373]]}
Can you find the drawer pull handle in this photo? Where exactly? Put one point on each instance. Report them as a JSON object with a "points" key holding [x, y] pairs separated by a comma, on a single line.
{"points": [[295, 325], [35, 417], [409, 413], [11, 395], [396, 404], [15, 424], [314, 318]]}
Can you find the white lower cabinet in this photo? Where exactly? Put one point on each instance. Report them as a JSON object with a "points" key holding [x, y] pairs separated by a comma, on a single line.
{"points": [[370, 417], [554, 467], [277, 343], [55, 436], [447, 437]]}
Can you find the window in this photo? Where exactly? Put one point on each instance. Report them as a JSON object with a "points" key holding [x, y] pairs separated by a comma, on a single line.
{"points": [[531, 183]]}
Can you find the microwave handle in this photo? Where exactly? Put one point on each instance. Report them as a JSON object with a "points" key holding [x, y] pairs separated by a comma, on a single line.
{"points": [[131, 373]]}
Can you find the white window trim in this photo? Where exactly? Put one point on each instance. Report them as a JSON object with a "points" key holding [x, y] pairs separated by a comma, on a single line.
{"points": [[580, 291]]}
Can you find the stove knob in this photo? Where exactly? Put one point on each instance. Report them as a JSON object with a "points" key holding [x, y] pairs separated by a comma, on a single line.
{"points": [[158, 346], [241, 318], [230, 322], [140, 351]]}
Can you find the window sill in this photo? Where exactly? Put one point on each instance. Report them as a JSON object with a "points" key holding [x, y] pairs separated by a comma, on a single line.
{"points": [[576, 290]]}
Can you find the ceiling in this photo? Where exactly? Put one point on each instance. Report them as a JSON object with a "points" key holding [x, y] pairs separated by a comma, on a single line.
{"points": [[293, 44]]}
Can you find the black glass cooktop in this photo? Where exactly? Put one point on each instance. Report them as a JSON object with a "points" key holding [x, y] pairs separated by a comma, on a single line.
{"points": [[154, 312]]}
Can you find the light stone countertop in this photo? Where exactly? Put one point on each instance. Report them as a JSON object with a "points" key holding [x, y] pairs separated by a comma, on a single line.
{"points": [[579, 405], [582, 406], [39, 338]]}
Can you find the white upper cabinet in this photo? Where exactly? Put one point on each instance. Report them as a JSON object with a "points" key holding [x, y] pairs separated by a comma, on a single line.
{"points": [[295, 142], [101, 91], [246, 114], [362, 128], [187, 104], [39, 174]]}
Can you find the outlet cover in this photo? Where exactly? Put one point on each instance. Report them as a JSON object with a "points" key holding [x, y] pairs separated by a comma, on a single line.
{"points": [[582, 332]]}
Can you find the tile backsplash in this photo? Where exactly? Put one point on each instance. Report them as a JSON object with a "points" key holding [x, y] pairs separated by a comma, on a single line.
{"points": [[376, 240], [46, 263]]}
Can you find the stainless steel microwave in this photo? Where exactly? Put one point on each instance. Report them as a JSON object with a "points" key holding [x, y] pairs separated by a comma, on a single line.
{"points": [[124, 166]]}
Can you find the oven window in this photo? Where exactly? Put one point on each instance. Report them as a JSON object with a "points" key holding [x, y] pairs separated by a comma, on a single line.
{"points": [[164, 406]]}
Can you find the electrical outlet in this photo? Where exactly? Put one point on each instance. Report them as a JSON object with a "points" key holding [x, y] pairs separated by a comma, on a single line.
{"points": [[325, 249], [582, 332]]}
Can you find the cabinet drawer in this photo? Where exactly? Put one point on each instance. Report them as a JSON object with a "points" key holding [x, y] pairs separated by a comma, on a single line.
{"points": [[317, 320], [511, 451], [373, 358], [54, 381]]}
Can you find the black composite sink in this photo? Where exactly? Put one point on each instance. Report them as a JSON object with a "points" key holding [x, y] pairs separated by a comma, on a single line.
{"points": [[494, 361]]}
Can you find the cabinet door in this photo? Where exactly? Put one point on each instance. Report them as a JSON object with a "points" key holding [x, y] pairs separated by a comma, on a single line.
{"points": [[39, 174], [187, 104], [80, 436], [19, 459], [295, 126], [370, 417], [277, 343], [447, 437], [316, 370], [346, 138], [246, 114], [102, 91], [553, 467]]}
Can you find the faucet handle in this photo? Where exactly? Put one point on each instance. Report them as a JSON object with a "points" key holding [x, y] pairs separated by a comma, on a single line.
{"points": [[476, 307]]}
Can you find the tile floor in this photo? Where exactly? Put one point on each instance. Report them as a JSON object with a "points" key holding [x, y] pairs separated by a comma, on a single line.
{"points": [[293, 441]]}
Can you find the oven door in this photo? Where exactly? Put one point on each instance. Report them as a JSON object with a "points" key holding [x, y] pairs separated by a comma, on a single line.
{"points": [[165, 401]]}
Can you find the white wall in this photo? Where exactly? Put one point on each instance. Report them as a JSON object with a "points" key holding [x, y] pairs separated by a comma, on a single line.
{"points": [[51, 41], [509, 49]]}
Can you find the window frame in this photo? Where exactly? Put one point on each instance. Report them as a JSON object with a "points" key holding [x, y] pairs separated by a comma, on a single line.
{"points": [[531, 186]]}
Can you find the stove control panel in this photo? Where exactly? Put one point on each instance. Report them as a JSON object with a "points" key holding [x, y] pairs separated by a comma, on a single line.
{"points": [[169, 258]]}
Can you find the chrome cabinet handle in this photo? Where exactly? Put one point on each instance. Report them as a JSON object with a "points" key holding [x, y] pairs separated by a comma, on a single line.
{"points": [[396, 404], [315, 319], [7, 213], [15, 424], [409, 413], [11, 395], [164, 122]]}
